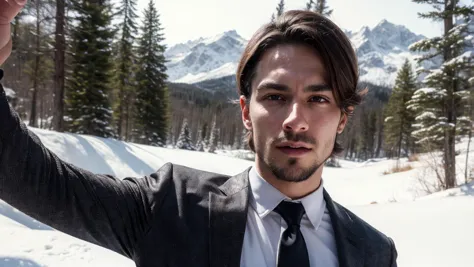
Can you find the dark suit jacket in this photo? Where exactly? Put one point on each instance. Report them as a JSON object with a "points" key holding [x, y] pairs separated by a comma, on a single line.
{"points": [[177, 216]]}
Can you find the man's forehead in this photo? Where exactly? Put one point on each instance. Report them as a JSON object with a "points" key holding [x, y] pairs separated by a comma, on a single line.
{"points": [[290, 63], [292, 55]]}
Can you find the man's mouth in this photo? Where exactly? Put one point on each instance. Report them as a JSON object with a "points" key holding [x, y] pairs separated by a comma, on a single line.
{"points": [[294, 149]]}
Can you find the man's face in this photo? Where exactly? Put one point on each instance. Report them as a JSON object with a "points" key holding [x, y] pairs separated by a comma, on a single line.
{"points": [[292, 113]]}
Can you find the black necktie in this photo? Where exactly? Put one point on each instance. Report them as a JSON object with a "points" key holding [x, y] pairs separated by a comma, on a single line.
{"points": [[293, 251]]}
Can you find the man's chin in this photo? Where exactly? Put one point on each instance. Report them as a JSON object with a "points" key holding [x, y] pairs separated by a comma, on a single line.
{"points": [[293, 171]]}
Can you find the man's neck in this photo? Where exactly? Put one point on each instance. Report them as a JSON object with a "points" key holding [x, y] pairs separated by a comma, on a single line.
{"points": [[293, 190]]}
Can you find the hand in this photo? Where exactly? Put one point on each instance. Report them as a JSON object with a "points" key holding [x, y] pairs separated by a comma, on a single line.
{"points": [[8, 10]]}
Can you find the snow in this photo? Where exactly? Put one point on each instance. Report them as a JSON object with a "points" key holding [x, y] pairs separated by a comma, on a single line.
{"points": [[218, 37], [429, 230], [426, 115], [425, 91], [205, 58], [464, 57], [9, 92], [222, 71], [415, 44]]}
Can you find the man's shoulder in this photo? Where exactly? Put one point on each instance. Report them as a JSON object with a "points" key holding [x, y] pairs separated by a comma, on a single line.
{"points": [[371, 235], [192, 177]]}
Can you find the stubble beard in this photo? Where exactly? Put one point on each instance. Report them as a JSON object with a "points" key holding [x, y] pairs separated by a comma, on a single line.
{"points": [[288, 175], [288, 171]]}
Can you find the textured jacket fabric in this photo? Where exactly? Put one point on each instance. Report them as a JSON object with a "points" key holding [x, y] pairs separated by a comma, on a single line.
{"points": [[177, 216]]}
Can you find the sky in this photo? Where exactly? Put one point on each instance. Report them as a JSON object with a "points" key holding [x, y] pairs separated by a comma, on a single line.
{"points": [[185, 20]]}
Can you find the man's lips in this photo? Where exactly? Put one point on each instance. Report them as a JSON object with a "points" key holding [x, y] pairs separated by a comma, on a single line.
{"points": [[294, 145], [294, 149]]}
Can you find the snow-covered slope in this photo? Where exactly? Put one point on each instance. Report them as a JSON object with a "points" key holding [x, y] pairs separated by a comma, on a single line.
{"points": [[434, 230], [381, 51]]}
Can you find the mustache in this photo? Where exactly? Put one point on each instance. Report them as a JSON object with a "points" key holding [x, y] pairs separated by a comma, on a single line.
{"points": [[295, 137]]}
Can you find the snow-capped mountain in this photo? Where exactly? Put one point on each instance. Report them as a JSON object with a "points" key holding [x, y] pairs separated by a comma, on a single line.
{"points": [[205, 58], [381, 51]]}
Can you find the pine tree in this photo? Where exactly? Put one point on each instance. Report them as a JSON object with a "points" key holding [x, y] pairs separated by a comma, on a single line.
{"points": [[152, 100], [243, 141], [322, 8], [201, 135], [309, 5], [124, 75], [467, 117], [184, 139], [38, 69], [89, 110], [370, 127], [213, 139], [59, 66], [237, 143], [199, 142], [280, 8], [398, 119], [438, 103]]}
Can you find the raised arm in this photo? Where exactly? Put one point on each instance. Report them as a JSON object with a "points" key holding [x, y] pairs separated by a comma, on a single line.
{"points": [[100, 209]]}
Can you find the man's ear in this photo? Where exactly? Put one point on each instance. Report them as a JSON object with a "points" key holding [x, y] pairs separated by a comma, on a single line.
{"points": [[343, 120], [244, 107]]}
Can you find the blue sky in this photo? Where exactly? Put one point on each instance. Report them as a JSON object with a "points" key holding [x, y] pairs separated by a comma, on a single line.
{"points": [[190, 19]]}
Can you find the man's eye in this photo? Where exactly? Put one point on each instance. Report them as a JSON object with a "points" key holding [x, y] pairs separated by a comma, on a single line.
{"points": [[318, 99], [274, 97]]}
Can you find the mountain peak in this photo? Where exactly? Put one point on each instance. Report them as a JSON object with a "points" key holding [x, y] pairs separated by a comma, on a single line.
{"points": [[387, 25], [381, 50], [232, 33]]}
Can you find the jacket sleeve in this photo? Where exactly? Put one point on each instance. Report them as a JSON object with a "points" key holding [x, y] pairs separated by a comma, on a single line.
{"points": [[394, 253], [100, 209]]}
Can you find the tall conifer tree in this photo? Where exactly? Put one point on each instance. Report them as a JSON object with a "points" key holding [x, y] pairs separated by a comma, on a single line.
{"points": [[124, 75], [89, 110], [152, 101], [279, 10], [214, 136], [322, 7], [184, 139], [398, 118], [438, 102]]}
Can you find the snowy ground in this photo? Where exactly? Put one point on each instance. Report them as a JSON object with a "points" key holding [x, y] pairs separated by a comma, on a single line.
{"points": [[429, 230]]}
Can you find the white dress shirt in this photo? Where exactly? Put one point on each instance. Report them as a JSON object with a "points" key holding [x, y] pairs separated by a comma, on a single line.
{"points": [[264, 227]]}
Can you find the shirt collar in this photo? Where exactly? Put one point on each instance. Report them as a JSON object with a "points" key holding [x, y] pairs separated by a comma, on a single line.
{"points": [[265, 198]]}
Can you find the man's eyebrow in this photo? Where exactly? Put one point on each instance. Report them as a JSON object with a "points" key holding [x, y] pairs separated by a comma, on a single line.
{"points": [[272, 86], [281, 87], [317, 88]]}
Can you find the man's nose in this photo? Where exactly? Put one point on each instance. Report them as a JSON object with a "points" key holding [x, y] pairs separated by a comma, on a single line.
{"points": [[296, 120]]}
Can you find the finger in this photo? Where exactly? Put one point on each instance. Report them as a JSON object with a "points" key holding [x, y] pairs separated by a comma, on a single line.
{"points": [[21, 2], [4, 35], [8, 14], [5, 52]]}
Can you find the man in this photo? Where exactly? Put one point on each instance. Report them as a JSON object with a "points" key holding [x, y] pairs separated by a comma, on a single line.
{"points": [[297, 83]]}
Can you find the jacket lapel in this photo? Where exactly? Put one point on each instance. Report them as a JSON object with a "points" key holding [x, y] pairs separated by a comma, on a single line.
{"points": [[227, 220], [349, 238]]}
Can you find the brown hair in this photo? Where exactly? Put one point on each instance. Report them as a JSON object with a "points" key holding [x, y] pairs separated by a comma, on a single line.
{"points": [[325, 37]]}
